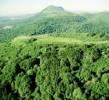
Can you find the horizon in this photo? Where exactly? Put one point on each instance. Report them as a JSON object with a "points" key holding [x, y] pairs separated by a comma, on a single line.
{"points": [[25, 7]]}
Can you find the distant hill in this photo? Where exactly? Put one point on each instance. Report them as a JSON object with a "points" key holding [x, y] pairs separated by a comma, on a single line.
{"points": [[52, 11], [57, 20]]}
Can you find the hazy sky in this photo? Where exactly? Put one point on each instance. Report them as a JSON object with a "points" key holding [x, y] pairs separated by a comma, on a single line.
{"points": [[16, 7]]}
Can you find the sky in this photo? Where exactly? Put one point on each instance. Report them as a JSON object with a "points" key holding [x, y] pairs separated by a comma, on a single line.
{"points": [[21, 7]]}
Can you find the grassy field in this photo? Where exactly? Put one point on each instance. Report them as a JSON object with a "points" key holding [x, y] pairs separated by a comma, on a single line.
{"points": [[46, 39]]}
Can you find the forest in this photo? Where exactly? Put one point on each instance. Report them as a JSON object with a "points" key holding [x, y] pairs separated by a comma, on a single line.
{"points": [[54, 71], [55, 55]]}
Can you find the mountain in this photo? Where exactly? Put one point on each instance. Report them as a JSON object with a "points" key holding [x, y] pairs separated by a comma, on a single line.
{"points": [[54, 19], [51, 11]]}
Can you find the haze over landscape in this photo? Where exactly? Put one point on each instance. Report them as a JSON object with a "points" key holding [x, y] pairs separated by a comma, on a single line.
{"points": [[21, 7]]}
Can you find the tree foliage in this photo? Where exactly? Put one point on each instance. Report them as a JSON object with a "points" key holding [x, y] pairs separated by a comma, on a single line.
{"points": [[54, 72]]}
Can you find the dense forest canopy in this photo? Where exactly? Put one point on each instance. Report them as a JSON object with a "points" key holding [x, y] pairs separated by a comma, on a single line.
{"points": [[54, 72]]}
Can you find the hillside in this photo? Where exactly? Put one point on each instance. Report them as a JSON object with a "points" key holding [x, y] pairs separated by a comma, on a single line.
{"points": [[57, 20]]}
